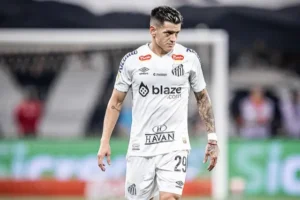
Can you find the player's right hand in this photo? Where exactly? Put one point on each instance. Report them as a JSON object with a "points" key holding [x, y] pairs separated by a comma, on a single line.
{"points": [[104, 151], [212, 152]]}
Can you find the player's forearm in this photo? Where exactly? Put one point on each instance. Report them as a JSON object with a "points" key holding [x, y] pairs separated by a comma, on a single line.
{"points": [[111, 116], [206, 111]]}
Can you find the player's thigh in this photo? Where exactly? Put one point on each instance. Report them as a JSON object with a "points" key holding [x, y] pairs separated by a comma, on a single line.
{"points": [[168, 196], [140, 178], [171, 173]]}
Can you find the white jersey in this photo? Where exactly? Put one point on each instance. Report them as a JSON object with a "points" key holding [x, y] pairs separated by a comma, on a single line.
{"points": [[160, 91]]}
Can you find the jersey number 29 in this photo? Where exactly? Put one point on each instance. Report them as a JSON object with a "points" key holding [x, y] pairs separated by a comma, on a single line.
{"points": [[183, 161]]}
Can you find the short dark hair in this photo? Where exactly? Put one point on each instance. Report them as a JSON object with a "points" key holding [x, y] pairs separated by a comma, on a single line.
{"points": [[166, 13]]}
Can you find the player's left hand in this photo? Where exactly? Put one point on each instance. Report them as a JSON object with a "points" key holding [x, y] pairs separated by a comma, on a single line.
{"points": [[211, 151], [104, 151]]}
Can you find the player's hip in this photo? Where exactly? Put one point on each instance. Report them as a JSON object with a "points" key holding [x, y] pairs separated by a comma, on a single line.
{"points": [[153, 147]]}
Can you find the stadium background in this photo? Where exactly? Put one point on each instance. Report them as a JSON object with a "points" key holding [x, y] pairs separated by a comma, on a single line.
{"points": [[72, 87]]}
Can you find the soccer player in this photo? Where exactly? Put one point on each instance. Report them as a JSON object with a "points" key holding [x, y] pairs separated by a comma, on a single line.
{"points": [[160, 75]]}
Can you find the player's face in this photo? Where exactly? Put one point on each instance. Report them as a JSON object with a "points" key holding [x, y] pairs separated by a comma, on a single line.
{"points": [[166, 35]]}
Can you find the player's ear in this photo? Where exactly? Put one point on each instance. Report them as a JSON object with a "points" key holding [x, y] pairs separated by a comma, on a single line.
{"points": [[153, 31]]}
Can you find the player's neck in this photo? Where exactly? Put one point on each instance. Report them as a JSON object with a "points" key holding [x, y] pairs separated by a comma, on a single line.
{"points": [[157, 49]]}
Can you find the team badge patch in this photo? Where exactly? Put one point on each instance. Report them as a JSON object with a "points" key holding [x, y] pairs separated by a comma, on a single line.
{"points": [[178, 70], [132, 189]]}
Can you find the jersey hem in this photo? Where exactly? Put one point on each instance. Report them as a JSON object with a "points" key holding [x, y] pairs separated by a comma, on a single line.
{"points": [[156, 154]]}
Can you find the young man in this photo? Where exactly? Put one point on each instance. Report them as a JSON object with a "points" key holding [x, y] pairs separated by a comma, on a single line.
{"points": [[160, 75]]}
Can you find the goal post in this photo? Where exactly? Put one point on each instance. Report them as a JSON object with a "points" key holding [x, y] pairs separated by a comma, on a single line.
{"points": [[220, 91], [35, 40]]}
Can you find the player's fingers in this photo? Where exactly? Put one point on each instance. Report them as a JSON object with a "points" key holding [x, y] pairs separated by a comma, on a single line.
{"points": [[100, 158], [108, 159], [210, 167], [102, 167], [213, 162], [210, 163], [205, 158], [100, 162]]}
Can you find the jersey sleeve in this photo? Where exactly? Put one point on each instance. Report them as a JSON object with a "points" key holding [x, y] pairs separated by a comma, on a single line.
{"points": [[197, 81], [124, 77]]}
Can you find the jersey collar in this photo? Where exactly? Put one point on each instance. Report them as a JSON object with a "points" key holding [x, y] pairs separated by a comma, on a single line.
{"points": [[168, 54]]}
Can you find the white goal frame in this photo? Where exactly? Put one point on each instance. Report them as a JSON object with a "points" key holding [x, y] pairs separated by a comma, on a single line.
{"points": [[31, 40]]}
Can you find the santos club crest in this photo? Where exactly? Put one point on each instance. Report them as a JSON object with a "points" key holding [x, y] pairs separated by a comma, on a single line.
{"points": [[178, 70]]}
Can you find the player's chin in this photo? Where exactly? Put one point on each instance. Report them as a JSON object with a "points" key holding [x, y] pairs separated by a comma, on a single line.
{"points": [[169, 48]]}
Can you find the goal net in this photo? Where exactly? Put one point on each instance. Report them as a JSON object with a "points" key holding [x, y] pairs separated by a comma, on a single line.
{"points": [[73, 72]]}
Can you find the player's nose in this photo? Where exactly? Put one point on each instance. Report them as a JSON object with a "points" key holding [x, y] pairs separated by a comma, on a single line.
{"points": [[173, 38]]}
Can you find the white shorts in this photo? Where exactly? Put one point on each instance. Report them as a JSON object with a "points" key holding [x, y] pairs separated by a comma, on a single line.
{"points": [[146, 176]]}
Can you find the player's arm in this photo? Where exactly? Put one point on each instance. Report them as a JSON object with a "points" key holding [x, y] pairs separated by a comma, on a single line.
{"points": [[205, 108], [122, 85], [111, 116], [206, 113]]}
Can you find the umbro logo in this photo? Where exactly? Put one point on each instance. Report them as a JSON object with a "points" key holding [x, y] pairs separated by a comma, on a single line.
{"points": [[132, 189], [179, 184], [143, 71]]}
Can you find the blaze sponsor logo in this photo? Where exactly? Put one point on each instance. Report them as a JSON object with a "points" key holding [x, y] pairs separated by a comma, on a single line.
{"points": [[122, 63], [177, 57], [172, 92], [143, 89], [166, 90], [146, 57], [159, 136]]}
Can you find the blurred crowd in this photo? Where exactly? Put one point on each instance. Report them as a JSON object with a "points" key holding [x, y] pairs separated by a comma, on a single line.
{"points": [[28, 113], [34, 70], [34, 75], [259, 113]]}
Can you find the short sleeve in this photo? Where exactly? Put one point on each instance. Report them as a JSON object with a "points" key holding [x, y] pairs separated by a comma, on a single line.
{"points": [[124, 77], [197, 81]]}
